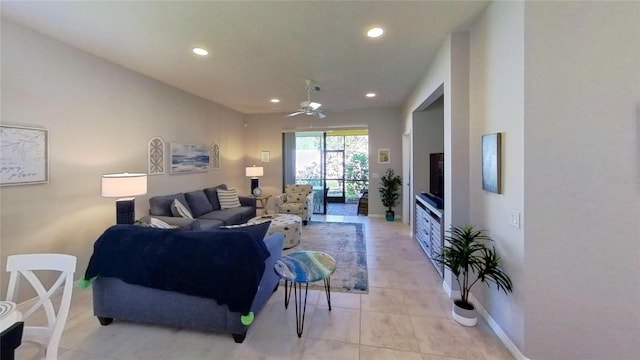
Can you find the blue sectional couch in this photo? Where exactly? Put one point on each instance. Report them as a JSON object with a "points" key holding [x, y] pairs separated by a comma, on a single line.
{"points": [[178, 259], [205, 208]]}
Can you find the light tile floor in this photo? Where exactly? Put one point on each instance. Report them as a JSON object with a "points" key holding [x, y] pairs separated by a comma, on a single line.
{"points": [[405, 315]]}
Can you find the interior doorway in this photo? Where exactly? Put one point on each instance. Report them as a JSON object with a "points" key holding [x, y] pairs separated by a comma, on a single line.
{"points": [[334, 162]]}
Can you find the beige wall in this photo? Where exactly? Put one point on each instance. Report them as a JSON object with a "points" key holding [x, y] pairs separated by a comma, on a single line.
{"points": [[496, 91], [561, 81], [265, 132], [100, 117], [582, 179]]}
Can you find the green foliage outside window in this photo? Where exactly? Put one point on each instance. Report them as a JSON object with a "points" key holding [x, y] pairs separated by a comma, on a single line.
{"points": [[356, 164]]}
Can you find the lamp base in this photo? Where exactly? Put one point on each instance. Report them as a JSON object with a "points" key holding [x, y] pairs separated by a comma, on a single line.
{"points": [[254, 183], [126, 211]]}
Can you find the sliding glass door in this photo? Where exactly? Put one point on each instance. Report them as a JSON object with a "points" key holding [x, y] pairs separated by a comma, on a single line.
{"points": [[310, 167], [334, 162]]}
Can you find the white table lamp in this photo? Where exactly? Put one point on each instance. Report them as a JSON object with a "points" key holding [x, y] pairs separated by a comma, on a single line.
{"points": [[124, 186]]}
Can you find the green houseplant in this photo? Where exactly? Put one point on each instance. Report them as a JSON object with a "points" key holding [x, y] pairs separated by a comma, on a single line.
{"points": [[389, 184], [471, 261]]}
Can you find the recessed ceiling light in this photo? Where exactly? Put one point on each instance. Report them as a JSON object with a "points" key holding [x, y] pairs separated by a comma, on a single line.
{"points": [[370, 95], [200, 51], [375, 32], [275, 101]]}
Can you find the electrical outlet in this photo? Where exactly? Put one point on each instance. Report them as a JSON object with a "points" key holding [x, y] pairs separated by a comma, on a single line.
{"points": [[515, 218], [375, 175]]}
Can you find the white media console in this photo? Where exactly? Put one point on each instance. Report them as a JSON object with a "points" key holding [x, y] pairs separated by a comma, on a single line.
{"points": [[429, 230]]}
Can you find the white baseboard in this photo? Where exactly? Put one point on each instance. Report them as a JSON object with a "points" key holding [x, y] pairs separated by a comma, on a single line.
{"points": [[397, 218], [453, 294], [513, 349]]}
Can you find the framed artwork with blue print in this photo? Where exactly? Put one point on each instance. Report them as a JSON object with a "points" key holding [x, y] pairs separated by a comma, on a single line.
{"points": [[491, 162]]}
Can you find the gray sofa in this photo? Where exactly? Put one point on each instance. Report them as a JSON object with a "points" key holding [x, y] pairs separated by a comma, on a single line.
{"points": [[205, 208], [115, 299]]}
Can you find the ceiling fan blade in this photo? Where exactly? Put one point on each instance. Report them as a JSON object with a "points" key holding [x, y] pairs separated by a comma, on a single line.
{"points": [[295, 113], [319, 115]]}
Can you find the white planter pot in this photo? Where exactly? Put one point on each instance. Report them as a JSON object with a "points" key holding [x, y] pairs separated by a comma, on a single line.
{"points": [[464, 316]]}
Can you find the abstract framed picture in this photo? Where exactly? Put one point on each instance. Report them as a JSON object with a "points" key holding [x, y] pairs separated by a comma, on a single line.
{"points": [[156, 153], [24, 155], [265, 156], [384, 157], [491, 162], [215, 156], [189, 158]]}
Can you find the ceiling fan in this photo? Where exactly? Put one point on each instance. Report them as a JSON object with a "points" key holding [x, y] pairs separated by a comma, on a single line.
{"points": [[309, 107]]}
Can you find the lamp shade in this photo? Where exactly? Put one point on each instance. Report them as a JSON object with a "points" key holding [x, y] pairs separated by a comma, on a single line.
{"points": [[254, 171], [125, 184]]}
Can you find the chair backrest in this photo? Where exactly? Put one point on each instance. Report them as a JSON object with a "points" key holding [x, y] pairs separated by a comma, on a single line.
{"points": [[297, 192], [25, 265]]}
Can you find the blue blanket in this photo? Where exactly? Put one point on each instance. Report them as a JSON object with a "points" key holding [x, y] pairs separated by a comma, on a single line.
{"points": [[222, 265]]}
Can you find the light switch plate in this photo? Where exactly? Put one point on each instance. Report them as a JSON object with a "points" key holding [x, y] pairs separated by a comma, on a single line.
{"points": [[515, 218], [375, 175]]}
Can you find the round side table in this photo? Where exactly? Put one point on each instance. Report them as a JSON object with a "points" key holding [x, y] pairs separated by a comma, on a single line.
{"points": [[303, 267]]}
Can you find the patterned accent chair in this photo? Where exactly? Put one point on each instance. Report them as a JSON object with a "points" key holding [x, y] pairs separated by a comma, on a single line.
{"points": [[297, 199]]}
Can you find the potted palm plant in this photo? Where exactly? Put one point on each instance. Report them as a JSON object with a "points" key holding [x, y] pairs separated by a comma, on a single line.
{"points": [[471, 261], [389, 184]]}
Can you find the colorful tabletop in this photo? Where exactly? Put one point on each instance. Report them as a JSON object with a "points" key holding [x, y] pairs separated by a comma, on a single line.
{"points": [[305, 266]]}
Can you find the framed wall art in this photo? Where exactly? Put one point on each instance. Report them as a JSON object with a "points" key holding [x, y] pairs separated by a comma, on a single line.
{"points": [[156, 156], [215, 156], [384, 157], [24, 155], [265, 156], [491, 162], [189, 158]]}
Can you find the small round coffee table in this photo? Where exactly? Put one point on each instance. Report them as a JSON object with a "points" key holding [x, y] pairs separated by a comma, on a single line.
{"points": [[303, 267], [288, 224]]}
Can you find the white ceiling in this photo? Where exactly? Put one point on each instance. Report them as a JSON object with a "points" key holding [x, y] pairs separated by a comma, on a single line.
{"points": [[261, 49]]}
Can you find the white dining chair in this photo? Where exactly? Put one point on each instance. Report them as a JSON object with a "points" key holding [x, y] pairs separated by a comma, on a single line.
{"points": [[25, 265]]}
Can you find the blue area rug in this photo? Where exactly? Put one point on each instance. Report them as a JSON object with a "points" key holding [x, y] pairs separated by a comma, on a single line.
{"points": [[345, 243]]}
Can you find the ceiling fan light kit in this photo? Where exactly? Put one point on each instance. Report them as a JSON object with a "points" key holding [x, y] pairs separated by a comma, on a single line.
{"points": [[309, 107]]}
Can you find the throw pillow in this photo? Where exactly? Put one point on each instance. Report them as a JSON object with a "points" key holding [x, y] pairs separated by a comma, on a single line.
{"points": [[198, 203], [157, 223], [179, 210], [296, 197], [258, 230], [228, 198]]}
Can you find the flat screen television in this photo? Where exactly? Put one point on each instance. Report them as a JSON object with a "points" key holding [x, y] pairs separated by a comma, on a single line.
{"points": [[436, 175]]}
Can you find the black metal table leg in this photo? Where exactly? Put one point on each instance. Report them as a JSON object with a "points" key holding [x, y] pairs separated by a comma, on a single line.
{"points": [[287, 293], [327, 290], [300, 307], [303, 267]]}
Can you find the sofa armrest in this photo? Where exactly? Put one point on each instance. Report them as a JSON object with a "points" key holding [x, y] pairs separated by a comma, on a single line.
{"points": [[278, 200], [183, 223], [247, 201], [274, 243]]}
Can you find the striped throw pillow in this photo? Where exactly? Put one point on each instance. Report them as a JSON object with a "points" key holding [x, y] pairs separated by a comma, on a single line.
{"points": [[157, 223], [228, 198], [178, 208]]}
